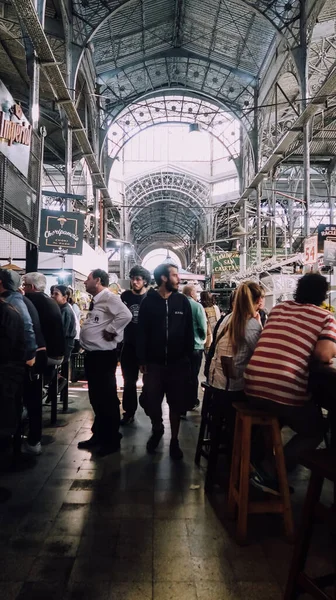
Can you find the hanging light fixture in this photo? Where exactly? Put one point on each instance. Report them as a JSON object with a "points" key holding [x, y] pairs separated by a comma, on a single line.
{"points": [[194, 127]]}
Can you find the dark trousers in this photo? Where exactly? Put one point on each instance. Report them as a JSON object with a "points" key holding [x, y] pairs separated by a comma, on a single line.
{"points": [[100, 370], [130, 370], [196, 362], [306, 421], [170, 380], [32, 399]]}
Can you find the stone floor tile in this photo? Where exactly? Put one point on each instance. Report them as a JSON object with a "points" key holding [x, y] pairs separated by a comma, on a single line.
{"points": [[174, 591], [133, 568], [167, 528], [63, 546], [219, 590], [173, 568], [259, 591], [86, 591], [41, 591], [212, 569], [131, 591], [92, 570], [97, 545], [49, 569], [15, 567]]}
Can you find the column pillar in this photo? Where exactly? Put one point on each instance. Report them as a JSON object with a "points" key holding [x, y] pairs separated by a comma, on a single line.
{"points": [[258, 236]]}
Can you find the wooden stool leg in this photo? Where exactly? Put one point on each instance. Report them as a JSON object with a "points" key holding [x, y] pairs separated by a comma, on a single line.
{"points": [[283, 481], [244, 480], [215, 439], [304, 537], [235, 465]]}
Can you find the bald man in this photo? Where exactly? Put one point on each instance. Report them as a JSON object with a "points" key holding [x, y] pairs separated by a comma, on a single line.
{"points": [[200, 331]]}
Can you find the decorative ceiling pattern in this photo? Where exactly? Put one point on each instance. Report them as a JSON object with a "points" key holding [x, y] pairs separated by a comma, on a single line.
{"points": [[174, 108], [167, 202], [214, 47]]}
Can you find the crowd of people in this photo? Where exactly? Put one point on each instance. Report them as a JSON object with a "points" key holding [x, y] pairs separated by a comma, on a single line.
{"points": [[164, 335]]}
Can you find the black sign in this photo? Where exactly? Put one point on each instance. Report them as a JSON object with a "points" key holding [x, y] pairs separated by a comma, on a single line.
{"points": [[61, 232], [325, 233]]}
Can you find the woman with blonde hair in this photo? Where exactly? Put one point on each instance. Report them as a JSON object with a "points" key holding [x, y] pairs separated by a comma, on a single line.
{"points": [[234, 345]]}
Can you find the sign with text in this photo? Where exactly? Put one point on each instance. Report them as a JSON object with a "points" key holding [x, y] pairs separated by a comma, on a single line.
{"points": [[61, 232], [325, 232], [15, 132], [329, 258], [310, 250], [224, 261]]}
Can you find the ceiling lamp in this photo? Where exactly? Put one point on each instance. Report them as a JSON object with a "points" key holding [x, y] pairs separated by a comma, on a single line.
{"points": [[194, 127]]}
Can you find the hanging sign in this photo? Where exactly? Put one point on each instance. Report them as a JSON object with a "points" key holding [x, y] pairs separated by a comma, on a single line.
{"points": [[15, 131], [325, 232], [310, 250], [329, 258], [224, 261], [61, 232]]}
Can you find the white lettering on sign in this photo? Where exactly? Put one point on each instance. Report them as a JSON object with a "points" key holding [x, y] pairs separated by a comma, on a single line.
{"points": [[310, 250]]}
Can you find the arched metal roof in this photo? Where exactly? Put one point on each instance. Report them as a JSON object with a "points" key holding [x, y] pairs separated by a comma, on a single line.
{"points": [[167, 203], [175, 108], [216, 47]]}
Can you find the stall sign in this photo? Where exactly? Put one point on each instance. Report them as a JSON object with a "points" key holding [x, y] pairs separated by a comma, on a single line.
{"points": [[61, 232], [325, 232], [330, 253], [310, 250], [15, 132], [224, 261]]}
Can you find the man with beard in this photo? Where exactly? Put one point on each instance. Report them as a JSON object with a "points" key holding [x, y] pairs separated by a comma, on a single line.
{"points": [[165, 345], [140, 279]]}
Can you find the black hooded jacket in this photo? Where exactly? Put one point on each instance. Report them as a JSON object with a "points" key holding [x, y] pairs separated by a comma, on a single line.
{"points": [[165, 329]]}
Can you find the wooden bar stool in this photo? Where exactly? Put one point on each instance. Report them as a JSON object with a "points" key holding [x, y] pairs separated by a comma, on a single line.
{"points": [[322, 464], [240, 472], [203, 443]]}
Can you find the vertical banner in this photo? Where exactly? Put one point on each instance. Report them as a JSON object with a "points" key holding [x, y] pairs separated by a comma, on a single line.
{"points": [[61, 232]]}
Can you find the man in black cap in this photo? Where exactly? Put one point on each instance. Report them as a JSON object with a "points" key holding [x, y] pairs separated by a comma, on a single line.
{"points": [[32, 399]]}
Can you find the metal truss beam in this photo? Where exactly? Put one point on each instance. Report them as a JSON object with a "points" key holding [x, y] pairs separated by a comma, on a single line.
{"points": [[178, 53], [293, 134], [29, 17]]}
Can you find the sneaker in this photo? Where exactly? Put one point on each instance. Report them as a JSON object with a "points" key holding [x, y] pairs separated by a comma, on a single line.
{"points": [[268, 485], [175, 450], [127, 419], [197, 405], [154, 440], [32, 449]]}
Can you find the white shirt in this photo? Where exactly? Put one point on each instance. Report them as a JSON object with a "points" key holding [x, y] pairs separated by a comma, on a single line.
{"points": [[109, 313]]}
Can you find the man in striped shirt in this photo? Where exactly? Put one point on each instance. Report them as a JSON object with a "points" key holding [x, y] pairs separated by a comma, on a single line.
{"points": [[276, 378]]}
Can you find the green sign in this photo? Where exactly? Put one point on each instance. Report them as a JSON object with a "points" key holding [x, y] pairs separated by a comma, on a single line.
{"points": [[61, 232], [224, 261], [265, 253]]}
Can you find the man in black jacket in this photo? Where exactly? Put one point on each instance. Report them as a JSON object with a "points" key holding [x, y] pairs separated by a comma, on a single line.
{"points": [[165, 344]]}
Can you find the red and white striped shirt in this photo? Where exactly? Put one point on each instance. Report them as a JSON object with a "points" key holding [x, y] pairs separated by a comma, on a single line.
{"points": [[279, 367]]}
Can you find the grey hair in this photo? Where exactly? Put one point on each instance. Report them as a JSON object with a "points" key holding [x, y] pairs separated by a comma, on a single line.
{"points": [[38, 280]]}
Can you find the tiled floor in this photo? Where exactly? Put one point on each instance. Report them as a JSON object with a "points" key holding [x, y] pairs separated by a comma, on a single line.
{"points": [[132, 526]]}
